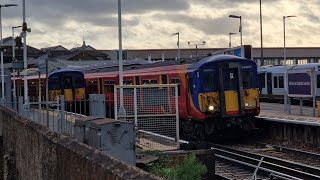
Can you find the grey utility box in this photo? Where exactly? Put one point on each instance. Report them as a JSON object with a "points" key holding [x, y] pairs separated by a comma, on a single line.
{"points": [[81, 128], [114, 138]]}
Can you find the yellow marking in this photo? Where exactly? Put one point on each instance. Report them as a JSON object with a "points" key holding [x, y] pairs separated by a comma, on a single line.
{"points": [[53, 94], [251, 96], [80, 92], [68, 95], [207, 99], [232, 101]]}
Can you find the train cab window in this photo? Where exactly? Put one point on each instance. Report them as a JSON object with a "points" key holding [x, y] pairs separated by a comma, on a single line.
{"points": [[281, 82], [275, 82], [208, 82], [176, 81], [67, 83], [247, 79], [78, 82], [318, 81]]}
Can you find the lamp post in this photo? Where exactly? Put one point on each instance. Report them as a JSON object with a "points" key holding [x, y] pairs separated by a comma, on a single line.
{"points": [[14, 59], [2, 67], [178, 44], [230, 33], [261, 50], [121, 110], [240, 27], [285, 62], [25, 62]]}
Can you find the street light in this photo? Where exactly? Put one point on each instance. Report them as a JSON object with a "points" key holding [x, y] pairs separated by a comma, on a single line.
{"points": [[285, 62], [178, 43], [261, 50], [1, 44], [121, 110], [14, 59], [230, 33], [240, 27]]}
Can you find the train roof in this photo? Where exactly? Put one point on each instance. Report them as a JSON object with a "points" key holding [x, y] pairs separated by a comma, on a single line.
{"points": [[217, 59], [64, 70], [282, 69]]}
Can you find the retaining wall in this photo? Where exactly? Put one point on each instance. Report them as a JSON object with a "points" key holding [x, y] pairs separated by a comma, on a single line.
{"points": [[290, 132], [31, 151]]}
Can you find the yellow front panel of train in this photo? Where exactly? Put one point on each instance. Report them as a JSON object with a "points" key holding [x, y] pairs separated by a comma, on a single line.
{"points": [[206, 100], [251, 98], [53, 94], [79, 93], [232, 102], [68, 95]]}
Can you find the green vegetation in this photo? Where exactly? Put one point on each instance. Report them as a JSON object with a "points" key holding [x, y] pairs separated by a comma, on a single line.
{"points": [[189, 169]]}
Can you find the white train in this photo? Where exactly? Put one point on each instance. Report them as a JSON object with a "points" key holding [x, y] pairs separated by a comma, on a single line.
{"points": [[271, 80]]}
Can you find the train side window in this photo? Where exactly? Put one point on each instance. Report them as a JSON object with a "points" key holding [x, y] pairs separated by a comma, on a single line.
{"points": [[92, 86], [281, 82], [275, 82], [176, 81], [153, 81], [318, 81], [128, 82], [145, 81]]}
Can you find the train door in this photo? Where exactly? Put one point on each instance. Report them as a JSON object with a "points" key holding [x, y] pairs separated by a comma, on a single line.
{"points": [[269, 84], [229, 88], [68, 88]]}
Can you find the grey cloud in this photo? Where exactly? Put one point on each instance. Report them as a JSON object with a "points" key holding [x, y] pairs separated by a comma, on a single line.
{"points": [[229, 3], [217, 26]]}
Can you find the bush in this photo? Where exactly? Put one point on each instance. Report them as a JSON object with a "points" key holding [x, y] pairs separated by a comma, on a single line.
{"points": [[189, 169]]}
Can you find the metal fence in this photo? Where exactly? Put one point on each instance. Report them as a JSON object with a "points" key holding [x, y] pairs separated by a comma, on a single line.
{"points": [[58, 115], [154, 111]]}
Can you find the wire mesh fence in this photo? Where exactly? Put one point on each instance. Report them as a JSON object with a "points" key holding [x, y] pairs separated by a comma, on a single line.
{"points": [[154, 110]]}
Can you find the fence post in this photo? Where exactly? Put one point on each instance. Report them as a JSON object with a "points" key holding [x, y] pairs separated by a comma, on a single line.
{"points": [[177, 116], [135, 106], [20, 105], [62, 114], [115, 103]]}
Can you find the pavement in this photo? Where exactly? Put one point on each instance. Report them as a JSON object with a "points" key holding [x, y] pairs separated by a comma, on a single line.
{"points": [[277, 111]]}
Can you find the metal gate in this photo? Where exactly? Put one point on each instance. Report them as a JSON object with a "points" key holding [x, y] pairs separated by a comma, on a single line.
{"points": [[154, 111]]}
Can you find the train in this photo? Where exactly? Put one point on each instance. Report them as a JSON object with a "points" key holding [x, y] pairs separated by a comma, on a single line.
{"points": [[272, 80], [214, 92]]}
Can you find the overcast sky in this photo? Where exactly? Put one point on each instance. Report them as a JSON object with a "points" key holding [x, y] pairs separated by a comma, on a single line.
{"points": [[148, 24]]}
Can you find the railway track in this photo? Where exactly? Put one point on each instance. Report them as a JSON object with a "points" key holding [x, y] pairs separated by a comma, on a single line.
{"points": [[240, 164]]}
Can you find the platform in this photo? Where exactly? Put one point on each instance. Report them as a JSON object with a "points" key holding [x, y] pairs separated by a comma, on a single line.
{"points": [[276, 112]]}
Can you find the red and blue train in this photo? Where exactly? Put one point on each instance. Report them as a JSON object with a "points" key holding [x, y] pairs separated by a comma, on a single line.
{"points": [[215, 92]]}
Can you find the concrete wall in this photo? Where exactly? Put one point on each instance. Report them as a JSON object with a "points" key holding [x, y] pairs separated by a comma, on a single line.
{"points": [[31, 151], [290, 132]]}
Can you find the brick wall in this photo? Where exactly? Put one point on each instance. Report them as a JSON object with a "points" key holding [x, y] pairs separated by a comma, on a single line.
{"points": [[31, 151]]}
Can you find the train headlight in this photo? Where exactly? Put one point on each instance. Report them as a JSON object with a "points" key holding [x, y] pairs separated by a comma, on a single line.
{"points": [[211, 108], [246, 104]]}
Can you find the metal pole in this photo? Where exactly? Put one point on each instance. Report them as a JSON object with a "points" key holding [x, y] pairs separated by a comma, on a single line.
{"points": [[178, 46], [120, 57], [25, 62], [261, 40], [240, 30], [39, 98], [47, 92], [229, 40], [285, 65], [2, 67], [14, 76]]}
